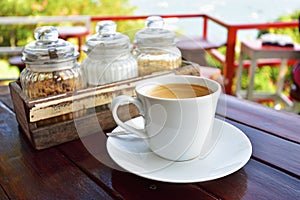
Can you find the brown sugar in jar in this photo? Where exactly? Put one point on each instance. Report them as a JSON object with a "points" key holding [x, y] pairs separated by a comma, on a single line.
{"points": [[155, 48], [51, 65]]}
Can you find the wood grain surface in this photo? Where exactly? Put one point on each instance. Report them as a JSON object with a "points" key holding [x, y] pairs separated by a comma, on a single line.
{"points": [[72, 171]]}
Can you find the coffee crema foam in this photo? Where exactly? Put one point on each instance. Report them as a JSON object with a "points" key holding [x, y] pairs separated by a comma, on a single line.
{"points": [[178, 91]]}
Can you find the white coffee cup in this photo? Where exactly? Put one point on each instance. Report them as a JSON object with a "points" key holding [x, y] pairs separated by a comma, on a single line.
{"points": [[177, 129]]}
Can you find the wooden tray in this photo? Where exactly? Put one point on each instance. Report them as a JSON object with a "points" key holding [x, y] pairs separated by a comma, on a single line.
{"points": [[51, 120]]}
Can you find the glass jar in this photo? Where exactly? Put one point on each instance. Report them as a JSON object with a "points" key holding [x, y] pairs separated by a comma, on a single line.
{"points": [[51, 65], [109, 57], [155, 48]]}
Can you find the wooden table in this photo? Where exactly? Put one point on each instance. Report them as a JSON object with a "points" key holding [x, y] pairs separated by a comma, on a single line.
{"points": [[255, 50], [69, 171]]}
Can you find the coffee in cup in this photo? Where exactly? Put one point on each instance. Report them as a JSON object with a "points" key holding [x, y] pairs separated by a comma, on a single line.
{"points": [[178, 91], [178, 114]]}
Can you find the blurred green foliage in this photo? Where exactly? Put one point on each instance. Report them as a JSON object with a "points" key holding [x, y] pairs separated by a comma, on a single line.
{"points": [[265, 77], [20, 35], [267, 81], [8, 72], [292, 32]]}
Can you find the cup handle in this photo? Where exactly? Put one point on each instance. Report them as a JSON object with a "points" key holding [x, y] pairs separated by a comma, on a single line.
{"points": [[121, 100]]}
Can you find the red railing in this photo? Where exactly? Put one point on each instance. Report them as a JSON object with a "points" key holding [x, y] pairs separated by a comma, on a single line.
{"points": [[228, 62]]}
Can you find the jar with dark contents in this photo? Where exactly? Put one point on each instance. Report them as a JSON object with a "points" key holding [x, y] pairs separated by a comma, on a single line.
{"points": [[51, 65], [155, 48]]}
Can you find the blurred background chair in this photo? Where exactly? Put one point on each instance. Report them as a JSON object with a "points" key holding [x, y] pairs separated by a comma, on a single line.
{"points": [[194, 49]]}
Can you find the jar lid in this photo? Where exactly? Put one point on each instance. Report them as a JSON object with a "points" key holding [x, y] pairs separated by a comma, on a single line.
{"points": [[48, 48], [107, 38], [154, 34]]}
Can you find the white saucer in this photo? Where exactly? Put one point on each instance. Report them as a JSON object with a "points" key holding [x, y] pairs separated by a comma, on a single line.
{"points": [[232, 152]]}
